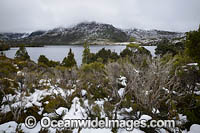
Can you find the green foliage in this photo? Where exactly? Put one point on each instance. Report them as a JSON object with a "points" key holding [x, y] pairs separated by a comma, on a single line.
{"points": [[193, 44], [7, 88], [22, 54], [97, 110], [86, 54], [189, 105], [93, 79], [165, 47], [144, 63], [133, 45], [166, 58], [137, 49], [108, 108], [69, 61], [144, 51], [93, 66], [33, 111], [127, 101], [132, 39], [4, 47], [105, 55], [44, 61], [126, 52], [26, 64], [181, 60], [7, 69], [102, 55], [54, 104], [53, 63]]}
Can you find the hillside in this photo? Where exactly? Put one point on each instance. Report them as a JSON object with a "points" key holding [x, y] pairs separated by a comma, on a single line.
{"points": [[153, 36], [92, 32]]}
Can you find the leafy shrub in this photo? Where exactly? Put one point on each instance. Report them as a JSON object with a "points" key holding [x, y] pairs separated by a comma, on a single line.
{"points": [[105, 55], [132, 39], [4, 47], [43, 59], [45, 62], [108, 108], [7, 69], [93, 79], [137, 49], [96, 109], [165, 47], [126, 52], [53, 104], [193, 44], [102, 55], [92, 66]]}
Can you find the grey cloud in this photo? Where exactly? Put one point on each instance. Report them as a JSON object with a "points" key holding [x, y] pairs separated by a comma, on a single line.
{"points": [[30, 15]]}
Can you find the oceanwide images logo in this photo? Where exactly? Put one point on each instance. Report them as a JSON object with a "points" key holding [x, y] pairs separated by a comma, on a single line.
{"points": [[46, 122], [30, 122]]}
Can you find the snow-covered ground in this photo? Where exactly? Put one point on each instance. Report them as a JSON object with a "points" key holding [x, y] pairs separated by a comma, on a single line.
{"points": [[77, 110]]}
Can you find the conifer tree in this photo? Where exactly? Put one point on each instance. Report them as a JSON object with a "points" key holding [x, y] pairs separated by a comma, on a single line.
{"points": [[22, 53], [86, 54], [69, 61]]}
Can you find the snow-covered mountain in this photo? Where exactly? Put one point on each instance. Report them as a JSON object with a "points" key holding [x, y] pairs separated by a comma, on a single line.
{"points": [[80, 33], [13, 36], [93, 32], [152, 34]]}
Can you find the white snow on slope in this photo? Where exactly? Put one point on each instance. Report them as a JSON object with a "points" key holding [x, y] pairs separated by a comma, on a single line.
{"points": [[8, 127], [76, 111], [34, 98]]}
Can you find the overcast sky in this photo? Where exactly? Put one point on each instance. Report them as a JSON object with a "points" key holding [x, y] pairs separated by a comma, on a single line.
{"points": [[31, 15]]}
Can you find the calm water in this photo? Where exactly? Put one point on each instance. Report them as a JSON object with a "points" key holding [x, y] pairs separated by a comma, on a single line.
{"points": [[57, 53]]}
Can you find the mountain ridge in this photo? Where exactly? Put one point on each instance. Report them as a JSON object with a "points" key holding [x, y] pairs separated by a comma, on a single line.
{"points": [[92, 32]]}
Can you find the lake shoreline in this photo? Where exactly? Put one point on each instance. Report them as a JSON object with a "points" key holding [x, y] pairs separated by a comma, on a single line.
{"points": [[80, 44]]}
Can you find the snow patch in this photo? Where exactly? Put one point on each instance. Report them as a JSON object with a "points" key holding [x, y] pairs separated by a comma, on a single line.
{"points": [[8, 127], [195, 128], [129, 109], [123, 80], [121, 92], [192, 64], [155, 111], [76, 111], [83, 92], [145, 117], [61, 110]]}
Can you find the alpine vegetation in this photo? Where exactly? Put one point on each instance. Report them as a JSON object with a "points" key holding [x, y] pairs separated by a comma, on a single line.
{"points": [[131, 85]]}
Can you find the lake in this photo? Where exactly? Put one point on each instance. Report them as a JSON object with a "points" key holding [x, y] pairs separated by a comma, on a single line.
{"points": [[57, 53]]}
